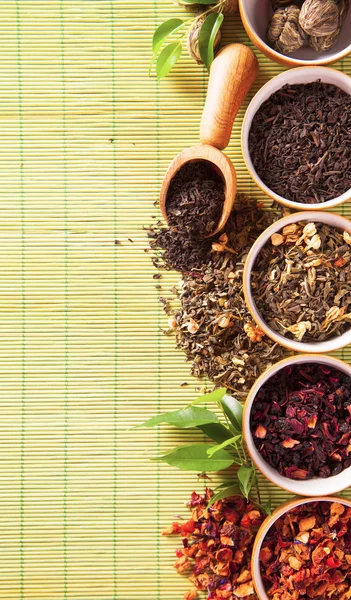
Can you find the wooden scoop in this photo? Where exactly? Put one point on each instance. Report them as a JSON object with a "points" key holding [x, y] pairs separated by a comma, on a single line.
{"points": [[232, 73]]}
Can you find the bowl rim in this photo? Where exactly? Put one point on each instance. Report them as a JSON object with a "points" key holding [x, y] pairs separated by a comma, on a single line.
{"points": [[336, 343], [267, 524], [245, 132], [285, 483], [282, 58]]}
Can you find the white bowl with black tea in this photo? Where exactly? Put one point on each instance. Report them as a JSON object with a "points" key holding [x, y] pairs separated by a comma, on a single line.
{"points": [[299, 32], [297, 424], [297, 282], [296, 138]]}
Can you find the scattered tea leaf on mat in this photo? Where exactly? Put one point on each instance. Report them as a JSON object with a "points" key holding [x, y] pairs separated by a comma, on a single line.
{"points": [[207, 37], [183, 419], [194, 457]]}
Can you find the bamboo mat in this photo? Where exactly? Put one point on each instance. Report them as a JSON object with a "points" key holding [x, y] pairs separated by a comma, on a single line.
{"points": [[85, 140]]}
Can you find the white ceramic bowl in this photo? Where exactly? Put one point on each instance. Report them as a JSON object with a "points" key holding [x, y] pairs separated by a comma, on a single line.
{"points": [[294, 76], [309, 487], [265, 527], [326, 346], [256, 15]]}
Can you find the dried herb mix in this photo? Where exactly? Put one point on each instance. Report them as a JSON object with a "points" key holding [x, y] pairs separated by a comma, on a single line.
{"points": [[300, 142], [216, 547], [301, 282], [307, 553], [301, 421], [213, 325], [194, 206]]}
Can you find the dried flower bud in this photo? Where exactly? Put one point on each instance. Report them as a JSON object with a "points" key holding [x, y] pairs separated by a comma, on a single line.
{"points": [[218, 247], [284, 31], [192, 326], [315, 262], [229, 7], [324, 43], [224, 322], [310, 229], [333, 314], [193, 40], [319, 17], [172, 323], [254, 333], [277, 239], [299, 329], [315, 242], [290, 229], [347, 237]]}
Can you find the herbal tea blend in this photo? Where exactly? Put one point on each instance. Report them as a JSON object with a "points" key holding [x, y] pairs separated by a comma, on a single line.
{"points": [[213, 325], [216, 546], [301, 421], [300, 142], [307, 553], [194, 206], [301, 282]]}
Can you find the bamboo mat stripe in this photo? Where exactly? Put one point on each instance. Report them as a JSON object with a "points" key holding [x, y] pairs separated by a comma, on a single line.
{"points": [[86, 138]]}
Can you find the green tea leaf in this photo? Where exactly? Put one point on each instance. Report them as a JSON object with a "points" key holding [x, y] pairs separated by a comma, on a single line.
{"points": [[225, 492], [216, 432], [234, 411], [207, 37], [183, 419], [193, 457], [215, 396], [224, 444], [167, 59], [267, 507], [163, 31], [245, 477]]}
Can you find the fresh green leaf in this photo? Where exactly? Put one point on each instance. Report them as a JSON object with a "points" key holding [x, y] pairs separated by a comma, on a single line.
{"points": [[234, 411], [216, 432], [245, 477], [163, 31], [267, 507], [232, 490], [224, 444], [215, 396], [193, 457], [167, 59], [183, 419], [207, 37]]}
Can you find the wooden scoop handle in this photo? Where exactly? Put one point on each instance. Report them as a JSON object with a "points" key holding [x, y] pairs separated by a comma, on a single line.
{"points": [[232, 73]]}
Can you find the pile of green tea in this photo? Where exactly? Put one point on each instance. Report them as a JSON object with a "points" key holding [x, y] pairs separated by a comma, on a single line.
{"points": [[213, 325]]}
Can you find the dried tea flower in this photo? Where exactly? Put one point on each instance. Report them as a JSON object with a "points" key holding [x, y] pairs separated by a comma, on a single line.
{"points": [[319, 17], [254, 332], [324, 43], [277, 239], [217, 546], [284, 31], [301, 422], [193, 39], [347, 237], [229, 7], [303, 289], [317, 567]]}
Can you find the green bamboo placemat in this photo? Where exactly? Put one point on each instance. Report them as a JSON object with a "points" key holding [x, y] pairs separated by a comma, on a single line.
{"points": [[85, 140]]}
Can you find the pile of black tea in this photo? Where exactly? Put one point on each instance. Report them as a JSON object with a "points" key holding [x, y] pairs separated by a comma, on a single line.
{"points": [[194, 206], [213, 325], [301, 421], [301, 282], [300, 142]]}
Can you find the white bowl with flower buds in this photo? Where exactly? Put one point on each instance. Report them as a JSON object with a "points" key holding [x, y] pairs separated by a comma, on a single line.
{"points": [[328, 345], [308, 487]]}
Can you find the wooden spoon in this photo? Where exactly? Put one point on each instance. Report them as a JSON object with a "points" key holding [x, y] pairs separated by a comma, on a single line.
{"points": [[232, 73]]}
